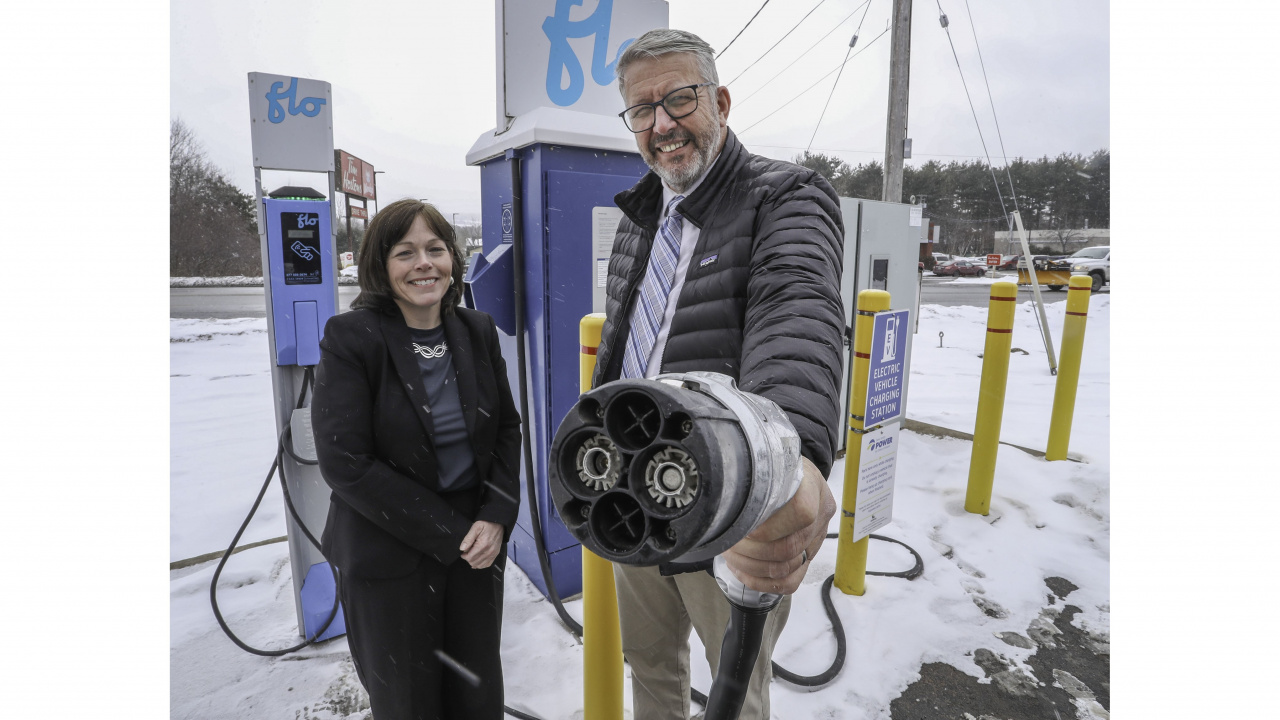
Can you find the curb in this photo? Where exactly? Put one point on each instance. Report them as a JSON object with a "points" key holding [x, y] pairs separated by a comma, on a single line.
{"points": [[924, 428], [179, 564]]}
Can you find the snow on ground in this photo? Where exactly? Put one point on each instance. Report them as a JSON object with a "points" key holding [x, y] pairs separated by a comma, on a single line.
{"points": [[983, 575]]}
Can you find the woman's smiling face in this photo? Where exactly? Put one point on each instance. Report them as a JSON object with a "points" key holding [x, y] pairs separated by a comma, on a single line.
{"points": [[419, 268]]}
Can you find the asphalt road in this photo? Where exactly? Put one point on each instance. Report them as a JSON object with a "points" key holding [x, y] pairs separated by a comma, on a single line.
{"points": [[946, 291], [238, 302], [233, 302]]}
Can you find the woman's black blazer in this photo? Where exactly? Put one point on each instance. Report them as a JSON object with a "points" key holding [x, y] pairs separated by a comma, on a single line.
{"points": [[373, 433]]}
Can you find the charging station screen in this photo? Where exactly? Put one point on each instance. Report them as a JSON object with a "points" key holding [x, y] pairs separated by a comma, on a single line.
{"points": [[301, 248]]}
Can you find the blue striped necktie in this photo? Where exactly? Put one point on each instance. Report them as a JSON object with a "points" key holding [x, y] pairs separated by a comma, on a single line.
{"points": [[647, 316]]}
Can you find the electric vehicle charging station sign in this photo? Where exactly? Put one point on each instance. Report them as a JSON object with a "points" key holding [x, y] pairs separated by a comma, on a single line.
{"points": [[877, 466], [888, 366]]}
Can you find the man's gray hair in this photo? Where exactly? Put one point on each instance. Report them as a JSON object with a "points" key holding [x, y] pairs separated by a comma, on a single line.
{"points": [[664, 41]]}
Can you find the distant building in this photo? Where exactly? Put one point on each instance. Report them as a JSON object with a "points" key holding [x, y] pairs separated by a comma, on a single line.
{"points": [[1007, 242]]}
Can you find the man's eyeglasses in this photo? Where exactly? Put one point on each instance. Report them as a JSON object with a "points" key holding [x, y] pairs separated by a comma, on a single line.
{"points": [[678, 103]]}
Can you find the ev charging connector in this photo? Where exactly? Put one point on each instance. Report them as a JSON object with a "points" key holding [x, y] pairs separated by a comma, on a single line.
{"points": [[680, 468]]}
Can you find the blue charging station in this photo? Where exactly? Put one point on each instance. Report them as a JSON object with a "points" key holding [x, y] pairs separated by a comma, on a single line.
{"points": [[291, 130], [557, 130], [562, 187], [302, 270], [301, 290]]}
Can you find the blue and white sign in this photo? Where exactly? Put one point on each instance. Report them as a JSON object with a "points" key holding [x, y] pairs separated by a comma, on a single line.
{"points": [[885, 380], [877, 468], [291, 122]]}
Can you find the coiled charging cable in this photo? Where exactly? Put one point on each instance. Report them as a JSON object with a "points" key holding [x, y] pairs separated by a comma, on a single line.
{"points": [[283, 446]]}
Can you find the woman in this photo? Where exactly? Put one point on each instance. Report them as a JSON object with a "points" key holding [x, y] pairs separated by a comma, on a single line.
{"points": [[418, 437]]}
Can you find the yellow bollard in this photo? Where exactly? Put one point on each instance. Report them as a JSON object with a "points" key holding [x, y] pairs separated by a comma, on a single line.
{"points": [[995, 376], [851, 557], [1064, 393], [601, 636]]}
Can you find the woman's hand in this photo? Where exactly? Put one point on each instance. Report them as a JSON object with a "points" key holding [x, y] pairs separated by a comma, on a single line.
{"points": [[482, 544]]}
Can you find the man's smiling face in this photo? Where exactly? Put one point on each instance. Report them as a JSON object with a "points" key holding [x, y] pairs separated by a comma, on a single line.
{"points": [[679, 151]]}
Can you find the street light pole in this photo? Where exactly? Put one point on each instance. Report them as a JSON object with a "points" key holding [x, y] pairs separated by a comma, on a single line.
{"points": [[376, 173]]}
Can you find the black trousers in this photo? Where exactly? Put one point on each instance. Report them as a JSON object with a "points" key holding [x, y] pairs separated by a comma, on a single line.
{"points": [[396, 627]]}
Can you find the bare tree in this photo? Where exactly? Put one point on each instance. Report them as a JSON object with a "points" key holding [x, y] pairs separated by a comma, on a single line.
{"points": [[1065, 236], [212, 223]]}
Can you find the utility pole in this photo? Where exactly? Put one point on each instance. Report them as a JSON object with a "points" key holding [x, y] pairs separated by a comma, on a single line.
{"points": [[899, 85]]}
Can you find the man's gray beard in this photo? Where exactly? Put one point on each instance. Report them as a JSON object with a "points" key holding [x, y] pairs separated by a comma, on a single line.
{"points": [[680, 180]]}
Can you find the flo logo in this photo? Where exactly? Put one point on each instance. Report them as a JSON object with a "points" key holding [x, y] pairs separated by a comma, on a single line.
{"points": [[309, 107], [307, 219], [873, 444], [558, 29]]}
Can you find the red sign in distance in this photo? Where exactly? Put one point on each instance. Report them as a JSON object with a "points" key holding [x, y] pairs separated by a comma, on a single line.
{"points": [[993, 260]]}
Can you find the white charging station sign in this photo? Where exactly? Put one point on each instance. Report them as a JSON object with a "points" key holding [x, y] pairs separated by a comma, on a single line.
{"points": [[604, 225], [877, 467], [290, 123]]}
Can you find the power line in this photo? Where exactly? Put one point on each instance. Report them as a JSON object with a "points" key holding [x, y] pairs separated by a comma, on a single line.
{"points": [[784, 37], [945, 26], [829, 96], [1012, 191], [824, 77], [806, 52], [832, 94], [864, 152], [744, 29]]}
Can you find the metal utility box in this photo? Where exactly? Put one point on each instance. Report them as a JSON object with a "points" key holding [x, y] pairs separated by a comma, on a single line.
{"points": [[881, 252]]}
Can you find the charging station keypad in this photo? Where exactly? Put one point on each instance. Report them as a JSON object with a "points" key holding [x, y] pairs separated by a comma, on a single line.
{"points": [[301, 248]]}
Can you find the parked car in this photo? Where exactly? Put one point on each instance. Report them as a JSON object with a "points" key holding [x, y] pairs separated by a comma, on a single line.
{"points": [[1094, 262], [1008, 262], [960, 267], [941, 258]]}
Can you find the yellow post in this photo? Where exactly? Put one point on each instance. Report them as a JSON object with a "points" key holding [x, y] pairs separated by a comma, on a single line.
{"points": [[851, 557], [601, 636], [1064, 393], [995, 376]]}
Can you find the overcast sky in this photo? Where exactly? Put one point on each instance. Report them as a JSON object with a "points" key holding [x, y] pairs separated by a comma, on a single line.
{"points": [[413, 82]]}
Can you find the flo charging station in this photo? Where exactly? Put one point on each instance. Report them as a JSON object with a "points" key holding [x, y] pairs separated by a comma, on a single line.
{"points": [[548, 173], [291, 123]]}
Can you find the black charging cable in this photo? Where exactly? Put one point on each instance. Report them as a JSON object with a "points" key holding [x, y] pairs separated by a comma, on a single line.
{"points": [[277, 466]]}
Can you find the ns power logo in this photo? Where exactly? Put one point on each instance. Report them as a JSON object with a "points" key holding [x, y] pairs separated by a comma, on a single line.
{"points": [[878, 443]]}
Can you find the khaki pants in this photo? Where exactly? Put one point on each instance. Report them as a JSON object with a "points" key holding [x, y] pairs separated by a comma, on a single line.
{"points": [[656, 613]]}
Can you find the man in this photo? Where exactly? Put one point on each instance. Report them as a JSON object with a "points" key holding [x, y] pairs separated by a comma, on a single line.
{"points": [[727, 262]]}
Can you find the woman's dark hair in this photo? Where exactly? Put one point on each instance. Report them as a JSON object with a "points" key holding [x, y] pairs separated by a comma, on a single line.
{"points": [[387, 228]]}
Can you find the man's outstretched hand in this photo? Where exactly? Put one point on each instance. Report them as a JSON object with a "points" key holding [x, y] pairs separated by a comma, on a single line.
{"points": [[772, 558]]}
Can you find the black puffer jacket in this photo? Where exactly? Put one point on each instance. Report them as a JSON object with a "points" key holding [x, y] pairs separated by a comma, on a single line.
{"points": [[761, 300]]}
